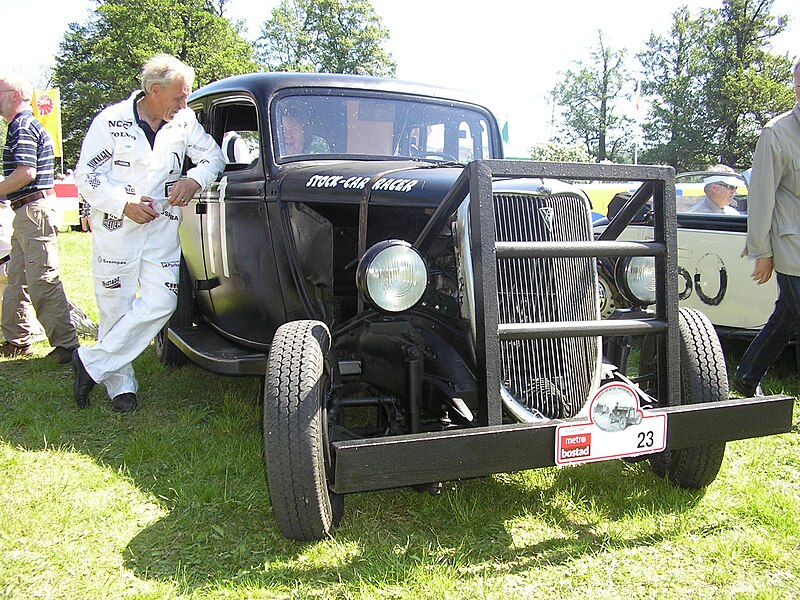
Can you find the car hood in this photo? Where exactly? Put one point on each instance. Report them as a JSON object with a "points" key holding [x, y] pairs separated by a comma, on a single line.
{"points": [[393, 183]]}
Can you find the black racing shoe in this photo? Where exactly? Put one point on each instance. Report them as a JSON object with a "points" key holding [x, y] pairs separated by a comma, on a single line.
{"points": [[61, 354], [746, 390], [83, 382], [124, 403]]}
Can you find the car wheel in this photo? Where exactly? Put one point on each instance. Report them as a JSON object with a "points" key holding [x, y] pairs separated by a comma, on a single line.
{"points": [[168, 353], [704, 378], [610, 299], [296, 451]]}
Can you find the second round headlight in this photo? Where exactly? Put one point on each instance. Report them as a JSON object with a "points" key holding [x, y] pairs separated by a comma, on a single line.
{"points": [[636, 277], [392, 275]]}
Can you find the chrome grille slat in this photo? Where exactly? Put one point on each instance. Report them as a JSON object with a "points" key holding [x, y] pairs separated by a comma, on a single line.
{"points": [[553, 376]]}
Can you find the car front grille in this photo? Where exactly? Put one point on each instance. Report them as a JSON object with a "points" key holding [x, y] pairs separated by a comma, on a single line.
{"points": [[553, 376]]}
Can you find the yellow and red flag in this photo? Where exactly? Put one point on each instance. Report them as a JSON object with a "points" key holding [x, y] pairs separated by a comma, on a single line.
{"points": [[46, 106]]}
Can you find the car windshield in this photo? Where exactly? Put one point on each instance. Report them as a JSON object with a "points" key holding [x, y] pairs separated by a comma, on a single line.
{"points": [[711, 192], [353, 126]]}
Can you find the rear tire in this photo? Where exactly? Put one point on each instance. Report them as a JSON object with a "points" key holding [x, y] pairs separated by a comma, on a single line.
{"points": [[296, 449], [704, 378], [168, 353]]}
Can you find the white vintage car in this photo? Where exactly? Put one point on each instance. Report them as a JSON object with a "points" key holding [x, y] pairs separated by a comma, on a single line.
{"points": [[713, 277]]}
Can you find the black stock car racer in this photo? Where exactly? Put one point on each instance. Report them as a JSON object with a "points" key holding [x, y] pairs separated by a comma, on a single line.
{"points": [[423, 311]]}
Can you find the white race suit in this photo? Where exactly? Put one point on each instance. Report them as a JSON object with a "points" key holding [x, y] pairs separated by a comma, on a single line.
{"points": [[117, 165]]}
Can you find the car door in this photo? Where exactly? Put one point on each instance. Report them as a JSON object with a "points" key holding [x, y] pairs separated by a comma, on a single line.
{"points": [[235, 230]]}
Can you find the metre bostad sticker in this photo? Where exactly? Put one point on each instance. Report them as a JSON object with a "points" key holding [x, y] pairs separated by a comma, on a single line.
{"points": [[616, 427]]}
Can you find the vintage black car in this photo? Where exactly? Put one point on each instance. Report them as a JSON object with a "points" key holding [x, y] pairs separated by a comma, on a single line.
{"points": [[423, 311]]}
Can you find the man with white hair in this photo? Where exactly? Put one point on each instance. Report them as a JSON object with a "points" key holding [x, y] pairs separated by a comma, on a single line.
{"points": [[720, 190], [129, 172], [34, 284], [773, 239]]}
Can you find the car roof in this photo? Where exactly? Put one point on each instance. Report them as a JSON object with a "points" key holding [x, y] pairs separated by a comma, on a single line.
{"points": [[266, 84]]}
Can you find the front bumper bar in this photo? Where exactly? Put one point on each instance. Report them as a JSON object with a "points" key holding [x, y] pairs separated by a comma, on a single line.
{"points": [[414, 459]]}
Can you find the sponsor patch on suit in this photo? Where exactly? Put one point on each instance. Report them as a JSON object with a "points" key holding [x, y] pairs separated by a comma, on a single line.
{"points": [[111, 222]]}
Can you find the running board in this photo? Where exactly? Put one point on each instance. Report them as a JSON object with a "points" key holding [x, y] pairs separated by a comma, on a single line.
{"points": [[209, 350]]}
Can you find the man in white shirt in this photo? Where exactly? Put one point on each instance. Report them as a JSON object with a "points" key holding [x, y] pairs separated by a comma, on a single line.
{"points": [[129, 172]]}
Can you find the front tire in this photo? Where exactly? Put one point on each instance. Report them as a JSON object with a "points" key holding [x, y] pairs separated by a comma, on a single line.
{"points": [[704, 378], [296, 452]]}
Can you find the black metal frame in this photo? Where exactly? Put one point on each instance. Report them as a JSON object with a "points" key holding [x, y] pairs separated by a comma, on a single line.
{"points": [[657, 182], [413, 459], [416, 459]]}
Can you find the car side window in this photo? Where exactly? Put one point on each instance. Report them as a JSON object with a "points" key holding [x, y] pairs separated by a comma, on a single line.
{"points": [[236, 129]]}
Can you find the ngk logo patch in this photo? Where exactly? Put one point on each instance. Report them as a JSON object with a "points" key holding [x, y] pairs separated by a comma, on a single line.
{"points": [[576, 446]]}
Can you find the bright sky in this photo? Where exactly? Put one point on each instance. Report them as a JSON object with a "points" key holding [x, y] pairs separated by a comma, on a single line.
{"points": [[506, 53]]}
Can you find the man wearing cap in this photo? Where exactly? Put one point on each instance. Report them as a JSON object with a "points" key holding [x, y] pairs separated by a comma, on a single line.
{"points": [[773, 239], [33, 278], [720, 190]]}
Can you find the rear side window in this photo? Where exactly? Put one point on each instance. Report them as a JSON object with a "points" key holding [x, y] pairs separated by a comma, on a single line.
{"points": [[236, 129]]}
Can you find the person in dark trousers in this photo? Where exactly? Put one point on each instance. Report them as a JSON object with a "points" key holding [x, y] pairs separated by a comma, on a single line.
{"points": [[773, 239], [34, 284]]}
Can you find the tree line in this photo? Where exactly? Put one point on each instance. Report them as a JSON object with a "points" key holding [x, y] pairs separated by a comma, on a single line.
{"points": [[710, 84], [99, 61]]}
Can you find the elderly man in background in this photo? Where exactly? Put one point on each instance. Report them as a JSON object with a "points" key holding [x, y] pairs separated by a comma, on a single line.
{"points": [[773, 239], [719, 190], [34, 284], [129, 172]]}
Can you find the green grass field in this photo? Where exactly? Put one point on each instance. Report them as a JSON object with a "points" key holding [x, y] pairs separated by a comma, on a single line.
{"points": [[171, 502]]}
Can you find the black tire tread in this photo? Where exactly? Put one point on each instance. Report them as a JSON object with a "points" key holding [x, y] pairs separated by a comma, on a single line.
{"points": [[302, 506], [703, 379]]}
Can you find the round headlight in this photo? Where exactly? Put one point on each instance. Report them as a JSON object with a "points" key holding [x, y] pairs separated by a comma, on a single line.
{"points": [[636, 277], [392, 276]]}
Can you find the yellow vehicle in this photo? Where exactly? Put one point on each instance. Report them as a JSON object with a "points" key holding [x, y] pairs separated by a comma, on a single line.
{"points": [[601, 193], [688, 192]]}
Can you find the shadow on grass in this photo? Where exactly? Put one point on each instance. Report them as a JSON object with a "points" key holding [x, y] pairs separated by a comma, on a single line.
{"points": [[194, 445], [386, 537]]}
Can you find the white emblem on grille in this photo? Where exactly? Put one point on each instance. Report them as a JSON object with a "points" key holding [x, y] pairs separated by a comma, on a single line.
{"points": [[546, 213]]}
